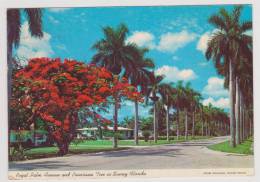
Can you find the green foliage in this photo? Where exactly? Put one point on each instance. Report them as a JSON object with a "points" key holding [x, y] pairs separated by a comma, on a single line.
{"points": [[146, 135], [146, 123]]}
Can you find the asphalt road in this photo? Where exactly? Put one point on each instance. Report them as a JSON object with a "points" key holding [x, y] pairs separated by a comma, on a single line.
{"points": [[185, 155]]}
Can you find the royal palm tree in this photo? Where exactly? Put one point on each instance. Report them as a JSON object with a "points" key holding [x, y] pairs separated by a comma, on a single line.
{"points": [[166, 92], [188, 103], [178, 100], [152, 90], [117, 56], [34, 17], [207, 110], [113, 52], [201, 110], [140, 78], [224, 48], [194, 98]]}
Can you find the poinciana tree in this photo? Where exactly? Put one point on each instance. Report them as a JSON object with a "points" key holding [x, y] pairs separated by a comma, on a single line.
{"points": [[55, 91]]}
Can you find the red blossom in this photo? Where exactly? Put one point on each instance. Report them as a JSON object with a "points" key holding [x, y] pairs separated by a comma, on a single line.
{"points": [[55, 88]]}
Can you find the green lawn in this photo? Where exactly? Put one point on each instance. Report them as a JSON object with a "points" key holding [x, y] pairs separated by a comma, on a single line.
{"points": [[243, 148], [132, 143], [44, 152], [90, 146]]}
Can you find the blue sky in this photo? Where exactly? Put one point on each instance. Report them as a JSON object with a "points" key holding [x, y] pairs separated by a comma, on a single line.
{"points": [[176, 36]]}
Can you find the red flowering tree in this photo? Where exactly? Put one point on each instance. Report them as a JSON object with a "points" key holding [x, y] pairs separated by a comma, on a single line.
{"points": [[55, 91]]}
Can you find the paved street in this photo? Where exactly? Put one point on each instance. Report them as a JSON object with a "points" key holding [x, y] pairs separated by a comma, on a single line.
{"points": [[184, 155]]}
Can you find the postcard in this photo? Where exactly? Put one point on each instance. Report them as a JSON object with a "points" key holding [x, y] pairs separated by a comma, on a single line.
{"points": [[130, 91]]}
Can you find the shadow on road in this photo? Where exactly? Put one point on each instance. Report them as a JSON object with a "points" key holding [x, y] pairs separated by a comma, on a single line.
{"points": [[44, 165], [191, 144], [141, 152]]}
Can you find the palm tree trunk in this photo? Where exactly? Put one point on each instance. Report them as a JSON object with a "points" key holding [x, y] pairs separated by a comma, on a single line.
{"points": [[202, 123], [186, 124], [244, 121], [115, 124], [9, 85], [136, 122], [178, 124], [240, 116], [220, 128], [206, 128], [237, 109], [154, 124], [193, 124], [167, 123], [209, 129], [231, 98], [246, 124], [250, 128], [202, 128]]}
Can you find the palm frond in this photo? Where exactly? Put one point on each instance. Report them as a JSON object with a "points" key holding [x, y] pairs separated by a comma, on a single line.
{"points": [[122, 31], [226, 17], [245, 26], [236, 13], [34, 16], [218, 22]]}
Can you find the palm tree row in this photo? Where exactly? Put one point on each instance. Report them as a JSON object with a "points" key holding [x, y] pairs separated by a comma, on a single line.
{"points": [[128, 60], [182, 99], [230, 48]]}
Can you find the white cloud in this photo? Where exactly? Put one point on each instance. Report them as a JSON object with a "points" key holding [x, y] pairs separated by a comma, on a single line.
{"points": [[31, 47], [175, 74], [56, 10], [142, 39], [170, 42], [222, 102], [215, 88], [203, 41]]}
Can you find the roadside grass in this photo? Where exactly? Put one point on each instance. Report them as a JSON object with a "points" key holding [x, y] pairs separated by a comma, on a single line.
{"points": [[243, 148], [45, 152], [94, 146], [141, 142]]}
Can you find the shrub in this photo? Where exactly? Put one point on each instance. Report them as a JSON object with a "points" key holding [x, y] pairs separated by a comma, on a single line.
{"points": [[146, 135]]}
